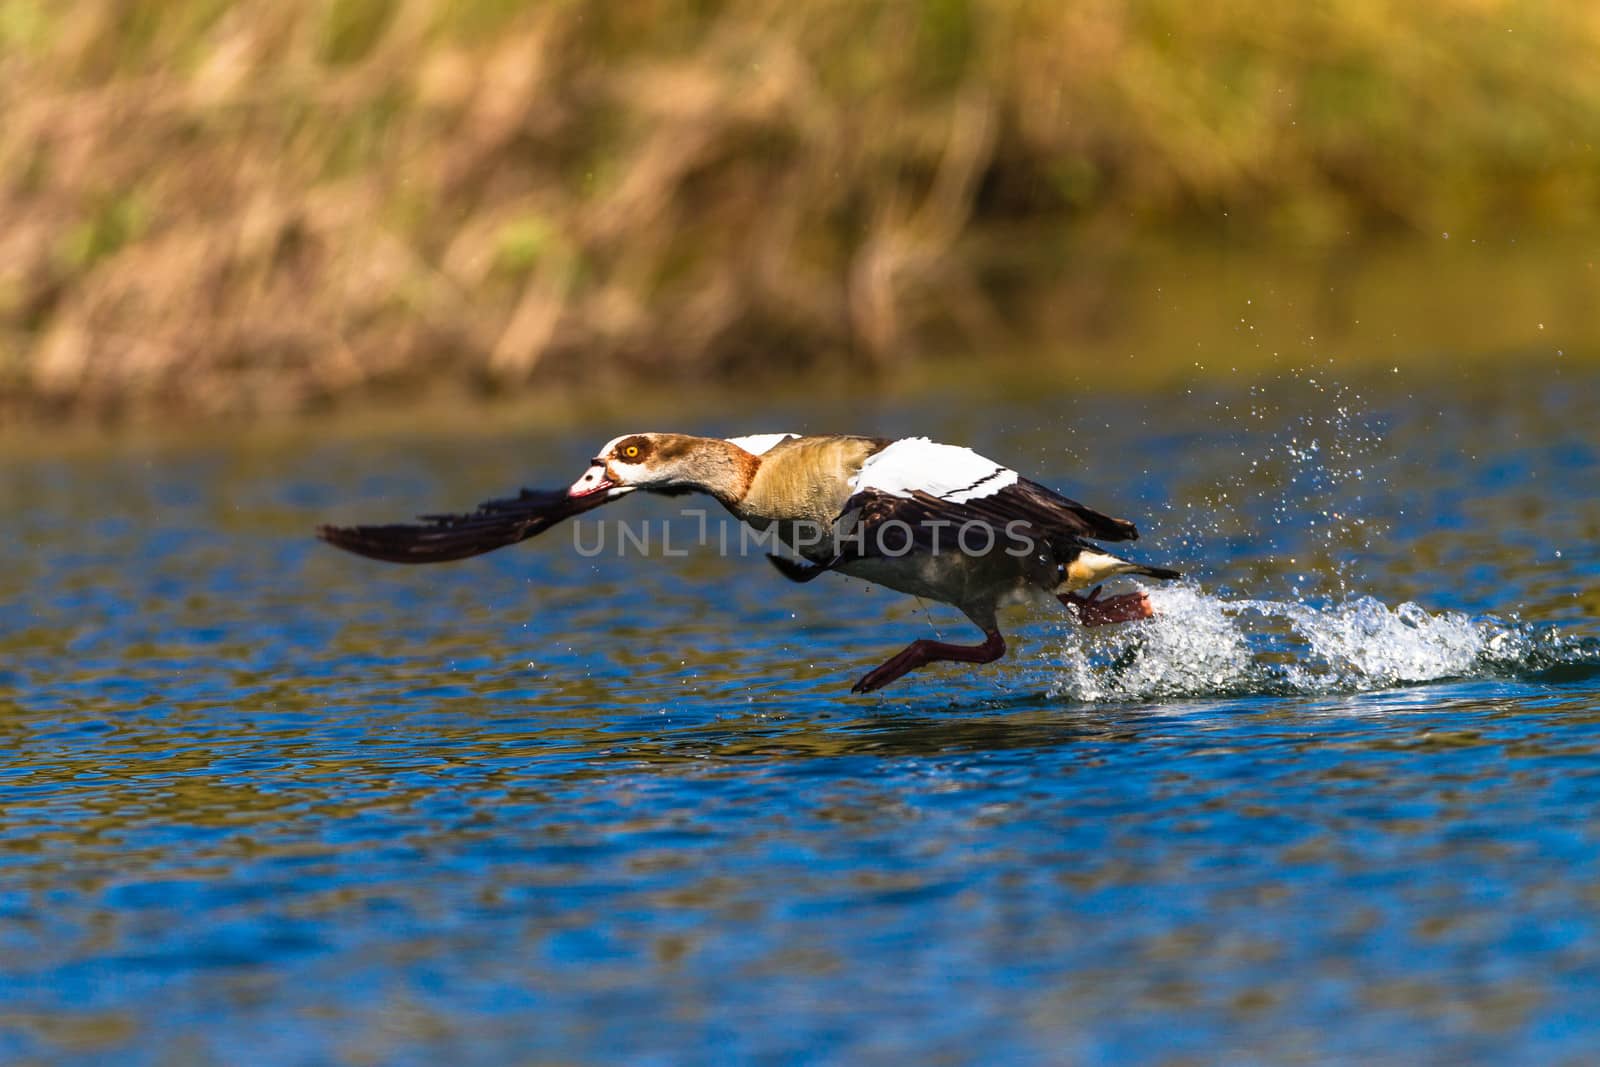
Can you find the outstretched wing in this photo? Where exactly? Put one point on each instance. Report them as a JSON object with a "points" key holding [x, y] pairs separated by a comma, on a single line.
{"points": [[495, 524], [929, 487]]}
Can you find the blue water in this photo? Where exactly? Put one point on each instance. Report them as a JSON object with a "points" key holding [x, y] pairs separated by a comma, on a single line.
{"points": [[265, 803]]}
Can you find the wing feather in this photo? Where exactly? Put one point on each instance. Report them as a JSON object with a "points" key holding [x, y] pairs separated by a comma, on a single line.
{"points": [[956, 484], [877, 523], [439, 538]]}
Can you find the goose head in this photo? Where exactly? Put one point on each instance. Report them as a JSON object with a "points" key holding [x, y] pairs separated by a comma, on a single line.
{"points": [[664, 462]]}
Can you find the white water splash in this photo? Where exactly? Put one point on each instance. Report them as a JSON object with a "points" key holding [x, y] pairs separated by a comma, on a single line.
{"points": [[1202, 645]]}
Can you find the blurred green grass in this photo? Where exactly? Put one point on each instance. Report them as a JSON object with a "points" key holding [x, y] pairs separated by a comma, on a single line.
{"points": [[222, 208]]}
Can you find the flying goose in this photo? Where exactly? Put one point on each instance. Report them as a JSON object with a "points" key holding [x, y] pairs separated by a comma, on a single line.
{"points": [[932, 520]]}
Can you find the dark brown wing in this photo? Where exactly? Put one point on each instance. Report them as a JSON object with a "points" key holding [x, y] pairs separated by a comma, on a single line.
{"points": [[1049, 511], [438, 538], [889, 524]]}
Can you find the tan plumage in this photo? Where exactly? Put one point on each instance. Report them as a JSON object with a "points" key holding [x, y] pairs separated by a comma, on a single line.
{"points": [[806, 479]]}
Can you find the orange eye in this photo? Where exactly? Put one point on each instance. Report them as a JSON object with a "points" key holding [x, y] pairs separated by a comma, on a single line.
{"points": [[631, 451]]}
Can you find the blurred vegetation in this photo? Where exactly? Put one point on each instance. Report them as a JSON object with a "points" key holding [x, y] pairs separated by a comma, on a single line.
{"points": [[217, 207]]}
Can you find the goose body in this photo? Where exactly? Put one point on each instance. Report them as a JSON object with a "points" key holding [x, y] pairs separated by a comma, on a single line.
{"points": [[932, 520]]}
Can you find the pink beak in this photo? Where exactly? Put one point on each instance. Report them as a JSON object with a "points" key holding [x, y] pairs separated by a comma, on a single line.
{"points": [[594, 480]]}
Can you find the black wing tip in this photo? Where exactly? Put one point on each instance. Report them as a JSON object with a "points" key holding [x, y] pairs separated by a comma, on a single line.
{"points": [[443, 538], [355, 538], [1164, 573], [797, 571], [1106, 527], [373, 542], [338, 536], [435, 543]]}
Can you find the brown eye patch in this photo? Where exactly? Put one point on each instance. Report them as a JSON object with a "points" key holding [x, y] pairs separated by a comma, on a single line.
{"points": [[633, 449]]}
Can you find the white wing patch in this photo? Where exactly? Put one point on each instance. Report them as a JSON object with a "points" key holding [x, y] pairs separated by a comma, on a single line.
{"points": [[760, 443], [948, 472]]}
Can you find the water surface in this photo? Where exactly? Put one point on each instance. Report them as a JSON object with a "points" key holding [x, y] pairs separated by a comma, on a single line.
{"points": [[267, 803]]}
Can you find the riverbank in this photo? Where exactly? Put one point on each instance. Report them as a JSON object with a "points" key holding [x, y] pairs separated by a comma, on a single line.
{"points": [[1167, 317], [216, 211]]}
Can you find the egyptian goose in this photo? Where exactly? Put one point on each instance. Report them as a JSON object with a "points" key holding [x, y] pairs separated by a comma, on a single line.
{"points": [[932, 520]]}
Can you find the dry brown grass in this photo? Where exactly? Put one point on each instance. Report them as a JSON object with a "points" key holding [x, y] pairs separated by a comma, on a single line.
{"points": [[221, 208]]}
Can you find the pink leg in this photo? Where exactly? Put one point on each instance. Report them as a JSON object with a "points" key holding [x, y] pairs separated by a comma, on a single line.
{"points": [[921, 653], [1093, 611]]}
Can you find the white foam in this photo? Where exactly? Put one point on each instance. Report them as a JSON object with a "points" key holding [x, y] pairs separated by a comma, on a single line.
{"points": [[1200, 645]]}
